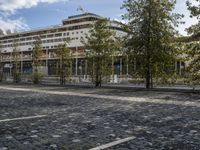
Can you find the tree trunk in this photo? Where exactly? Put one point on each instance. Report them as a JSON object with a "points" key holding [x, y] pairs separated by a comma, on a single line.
{"points": [[149, 50], [148, 72], [97, 83], [100, 81], [148, 80], [151, 80], [97, 79]]}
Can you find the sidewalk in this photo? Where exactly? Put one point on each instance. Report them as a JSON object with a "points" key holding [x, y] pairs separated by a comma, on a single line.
{"points": [[135, 87]]}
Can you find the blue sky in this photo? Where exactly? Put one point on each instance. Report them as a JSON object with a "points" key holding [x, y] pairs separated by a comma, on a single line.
{"points": [[29, 14]]}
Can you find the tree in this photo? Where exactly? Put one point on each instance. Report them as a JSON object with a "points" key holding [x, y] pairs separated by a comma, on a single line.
{"points": [[65, 62], [16, 63], [36, 59], [194, 30], [150, 29], [193, 47], [100, 46]]}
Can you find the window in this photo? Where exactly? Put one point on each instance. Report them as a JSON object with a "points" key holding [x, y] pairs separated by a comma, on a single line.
{"points": [[58, 34], [66, 39], [49, 36], [29, 38], [43, 36]]}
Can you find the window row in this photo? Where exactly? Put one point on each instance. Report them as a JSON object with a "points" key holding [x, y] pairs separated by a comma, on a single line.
{"points": [[42, 37], [53, 31], [43, 41]]}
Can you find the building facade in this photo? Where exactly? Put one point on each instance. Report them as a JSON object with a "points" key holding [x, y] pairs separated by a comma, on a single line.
{"points": [[74, 28]]}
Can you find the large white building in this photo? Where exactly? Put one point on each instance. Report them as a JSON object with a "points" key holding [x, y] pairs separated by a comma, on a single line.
{"points": [[73, 28]]}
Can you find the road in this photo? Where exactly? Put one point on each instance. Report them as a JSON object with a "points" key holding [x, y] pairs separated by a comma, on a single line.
{"points": [[61, 118]]}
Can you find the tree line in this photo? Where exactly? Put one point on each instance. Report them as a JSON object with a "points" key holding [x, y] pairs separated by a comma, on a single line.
{"points": [[151, 41]]}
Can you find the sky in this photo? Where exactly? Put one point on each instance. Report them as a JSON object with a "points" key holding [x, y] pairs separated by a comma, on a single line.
{"points": [[19, 15]]}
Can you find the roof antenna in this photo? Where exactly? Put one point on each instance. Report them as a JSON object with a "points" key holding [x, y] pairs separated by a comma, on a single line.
{"points": [[82, 10]]}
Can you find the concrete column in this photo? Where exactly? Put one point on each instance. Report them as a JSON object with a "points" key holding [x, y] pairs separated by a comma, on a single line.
{"points": [[10, 64], [176, 67], [1, 57], [21, 62], [127, 71], [121, 66], [112, 68], [86, 68], [135, 64], [47, 57], [76, 61]]}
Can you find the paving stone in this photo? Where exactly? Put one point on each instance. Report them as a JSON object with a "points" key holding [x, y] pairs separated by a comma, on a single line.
{"points": [[93, 136], [56, 136], [53, 145], [3, 148], [9, 137], [77, 122], [76, 140], [34, 136], [34, 131]]}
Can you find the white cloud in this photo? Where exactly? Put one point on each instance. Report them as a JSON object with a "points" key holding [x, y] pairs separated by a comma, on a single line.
{"points": [[181, 8], [13, 25], [10, 6]]}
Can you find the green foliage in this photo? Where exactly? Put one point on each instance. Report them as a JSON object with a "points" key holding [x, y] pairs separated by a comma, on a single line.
{"points": [[36, 77], [193, 53], [150, 30], [36, 60], [65, 62], [101, 46], [193, 47], [16, 63], [194, 30]]}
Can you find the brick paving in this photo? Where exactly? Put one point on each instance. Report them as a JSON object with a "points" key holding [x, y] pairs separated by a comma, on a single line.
{"points": [[80, 122]]}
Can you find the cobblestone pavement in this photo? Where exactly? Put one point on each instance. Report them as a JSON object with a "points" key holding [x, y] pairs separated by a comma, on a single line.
{"points": [[76, 119]]}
